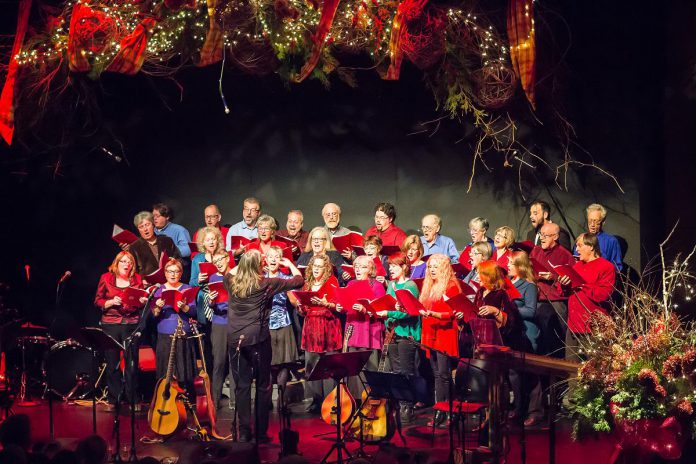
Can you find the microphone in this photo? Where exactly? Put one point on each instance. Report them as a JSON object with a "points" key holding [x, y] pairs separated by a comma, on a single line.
{"points": [[27, 272], [65, 277], [239, 343], [113, 156]]}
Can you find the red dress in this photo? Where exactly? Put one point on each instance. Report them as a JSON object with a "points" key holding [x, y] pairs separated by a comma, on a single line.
{"points": [[441, 334], [599, 275], [322, 329]]}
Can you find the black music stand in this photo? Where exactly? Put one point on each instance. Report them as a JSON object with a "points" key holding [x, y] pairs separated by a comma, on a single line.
{"points": [[99, 342], [337, 366], [396, 388]]}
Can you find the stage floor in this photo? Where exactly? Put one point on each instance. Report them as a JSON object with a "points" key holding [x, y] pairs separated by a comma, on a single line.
{"points": [[72, 422]]}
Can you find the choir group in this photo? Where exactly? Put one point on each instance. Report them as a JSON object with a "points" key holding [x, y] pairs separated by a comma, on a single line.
{"points": [[265, 297]]}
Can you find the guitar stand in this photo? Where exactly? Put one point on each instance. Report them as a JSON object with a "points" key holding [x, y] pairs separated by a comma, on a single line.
{"points": [[340, 444], [338, 366]]}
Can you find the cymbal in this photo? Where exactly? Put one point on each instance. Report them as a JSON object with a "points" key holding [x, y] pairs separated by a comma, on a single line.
{"points": [[28, 329], [29, 325]]}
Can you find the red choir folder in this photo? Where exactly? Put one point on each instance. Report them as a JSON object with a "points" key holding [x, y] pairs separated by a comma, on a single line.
{"points": [[131, 296], [223, 296], [419, 283], [358, 250], [467, 289], [207, 268], [288, 242], [460, 269], [305, 298], [172, 297], [409, 303], [302, 268], [379, 267], [287, 253], [383, 303], [238, 241], [462, 304], [346, 241], [525, 246], [576, 279], [158, 276], [349, 269], [389, 250], [348, 296], [538, 267], [121, 235]]}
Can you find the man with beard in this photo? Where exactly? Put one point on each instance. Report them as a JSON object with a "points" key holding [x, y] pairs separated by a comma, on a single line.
{"points": [[540, 214]]}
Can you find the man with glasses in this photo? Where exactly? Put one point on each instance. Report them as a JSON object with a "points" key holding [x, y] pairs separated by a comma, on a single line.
{"points": [[384, 228], [247, 226], [596, 215], [433, 242], [213, 218], [162, 215], [331, 213], [540, 214], [552, 307]]}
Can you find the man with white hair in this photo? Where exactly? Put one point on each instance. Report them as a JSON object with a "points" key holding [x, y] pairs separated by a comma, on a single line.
{"points": [[331, 213], [596, 215], [433, 241]]}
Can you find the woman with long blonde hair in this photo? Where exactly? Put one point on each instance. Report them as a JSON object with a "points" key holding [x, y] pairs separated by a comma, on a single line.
{"points": [[439, 330], [249, 337]]}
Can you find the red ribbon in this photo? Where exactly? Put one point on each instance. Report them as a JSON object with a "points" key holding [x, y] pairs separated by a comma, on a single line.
{"points": [[327, 16]]}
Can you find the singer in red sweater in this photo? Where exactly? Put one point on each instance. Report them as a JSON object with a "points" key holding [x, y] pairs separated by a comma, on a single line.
{"points": [[593, 295]]}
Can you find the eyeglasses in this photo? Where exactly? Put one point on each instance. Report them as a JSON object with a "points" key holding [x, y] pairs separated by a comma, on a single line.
{"points": [[212, 216], [221, 260], [476, 231], [382, 218], [251, 210], [477, 253], [320, 239], [173, 271], [329, 215], [264, 229], [147, 225], [594, 221], [427, 228], [547, 235], [124, 261]]}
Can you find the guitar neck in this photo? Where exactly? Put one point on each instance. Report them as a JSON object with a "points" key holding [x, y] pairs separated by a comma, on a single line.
{"points": [[198, 336], [172, 351]]}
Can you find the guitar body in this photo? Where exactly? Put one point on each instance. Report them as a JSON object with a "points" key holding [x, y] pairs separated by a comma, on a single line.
{"points": [[328, 407], [204, 402], [167, 411]]}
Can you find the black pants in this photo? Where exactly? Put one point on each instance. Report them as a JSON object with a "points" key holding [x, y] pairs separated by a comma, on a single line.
{"points": [[402, 356], [114, 377], [552, 319], [442, 371], [218, 337], [252, 362]]}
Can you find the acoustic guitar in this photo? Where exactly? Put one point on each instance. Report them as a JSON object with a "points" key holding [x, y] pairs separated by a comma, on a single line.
{"points": [[376, 417], [328, 407], [167, 411]]}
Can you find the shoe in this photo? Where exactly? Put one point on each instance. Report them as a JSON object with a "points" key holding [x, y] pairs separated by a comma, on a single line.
{"points": [[263, 439], [313, 408], [533, 421], [439, 420]]}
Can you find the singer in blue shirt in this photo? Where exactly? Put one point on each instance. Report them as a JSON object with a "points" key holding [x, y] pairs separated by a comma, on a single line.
{"points": [[608, 244], [162, 214], [433, 242]]}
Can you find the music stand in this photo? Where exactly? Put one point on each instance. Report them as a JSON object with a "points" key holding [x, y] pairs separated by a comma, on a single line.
{"points": [[337, 366], [99, 342]]}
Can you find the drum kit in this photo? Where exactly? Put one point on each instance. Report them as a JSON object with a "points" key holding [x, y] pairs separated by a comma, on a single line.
{"points": [[37, 362]]}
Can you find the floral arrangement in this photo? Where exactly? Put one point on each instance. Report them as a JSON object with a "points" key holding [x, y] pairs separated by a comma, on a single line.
{"points": [[640, 368]]}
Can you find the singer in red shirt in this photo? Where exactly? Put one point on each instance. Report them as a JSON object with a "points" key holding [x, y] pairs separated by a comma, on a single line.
{"points": [[119, 319], [384, 227], [593, 295]]}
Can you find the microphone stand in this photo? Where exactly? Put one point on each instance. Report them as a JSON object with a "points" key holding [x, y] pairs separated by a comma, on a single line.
{"points": [[130, 345], [51, 429]]}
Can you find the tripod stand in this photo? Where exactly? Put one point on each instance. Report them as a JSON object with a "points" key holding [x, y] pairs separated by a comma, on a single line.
{"points": [[337, 366]]}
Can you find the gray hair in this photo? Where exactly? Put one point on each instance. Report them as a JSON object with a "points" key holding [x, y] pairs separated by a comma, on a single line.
{"points": [[267, 219], [143, 216], [596, 207], [484, 248], [479, 223]]}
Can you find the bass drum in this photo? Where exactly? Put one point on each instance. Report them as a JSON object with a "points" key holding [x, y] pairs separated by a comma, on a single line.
{"points": [[70, 369]]}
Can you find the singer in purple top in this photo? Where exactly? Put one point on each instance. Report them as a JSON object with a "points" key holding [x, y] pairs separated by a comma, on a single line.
{"points": [[166, 318]]}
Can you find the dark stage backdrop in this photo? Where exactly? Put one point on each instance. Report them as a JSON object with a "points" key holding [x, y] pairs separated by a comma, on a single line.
{"points": [[304, 146]]}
